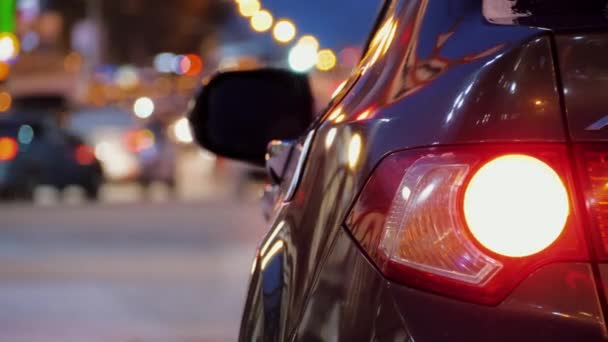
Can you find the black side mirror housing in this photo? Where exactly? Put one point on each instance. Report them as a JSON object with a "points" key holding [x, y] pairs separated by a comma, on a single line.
{"points": [[238, 113]]}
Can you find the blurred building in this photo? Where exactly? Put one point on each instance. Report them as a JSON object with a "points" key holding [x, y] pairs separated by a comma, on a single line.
{"points": [[136, 30]]}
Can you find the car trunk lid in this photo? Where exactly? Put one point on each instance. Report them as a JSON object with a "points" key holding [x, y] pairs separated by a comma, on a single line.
{"points": [[583, 65]]}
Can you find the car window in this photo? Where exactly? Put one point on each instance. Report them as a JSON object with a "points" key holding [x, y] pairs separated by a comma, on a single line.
{"points": [[347, 84]]}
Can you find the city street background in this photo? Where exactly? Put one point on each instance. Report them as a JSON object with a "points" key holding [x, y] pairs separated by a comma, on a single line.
{"points": [[129, 268], [114, 224]]}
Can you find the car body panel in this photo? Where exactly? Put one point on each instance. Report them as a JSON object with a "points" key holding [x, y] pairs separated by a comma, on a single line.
{"points": [[584, 70], [557, 303], [334, 312], [455, 79]]}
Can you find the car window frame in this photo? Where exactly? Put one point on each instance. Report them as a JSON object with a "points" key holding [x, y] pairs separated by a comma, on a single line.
{"points": [[354, 76]]}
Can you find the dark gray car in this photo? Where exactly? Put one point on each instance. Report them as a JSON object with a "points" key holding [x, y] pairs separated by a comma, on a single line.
{"points": [[456, 189]]}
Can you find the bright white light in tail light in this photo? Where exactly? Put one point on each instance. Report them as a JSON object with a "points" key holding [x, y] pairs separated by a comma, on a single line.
{"points": [[516, 205]]}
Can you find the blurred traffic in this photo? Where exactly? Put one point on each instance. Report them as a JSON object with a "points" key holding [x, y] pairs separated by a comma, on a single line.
{"points": [[114, 225], [118, 96]]}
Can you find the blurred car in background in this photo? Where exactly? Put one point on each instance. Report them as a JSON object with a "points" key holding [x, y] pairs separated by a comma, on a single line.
{"points": [[128, 150], [155, 154], [38, 152]]}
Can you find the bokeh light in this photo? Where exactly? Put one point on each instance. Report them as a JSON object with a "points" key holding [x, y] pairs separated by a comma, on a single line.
{"points": [[9, 46], [176, 64], [5, 101], [302, 58], [5, 70], [30, 41], [182, 131], [8, 148], [284, 31], [349, 56], [261, 21], [309, 40], [126, 77], [84, 155], [163, 62], [247, 8], [139, 140], [143, 107], [191, 65], [326, 60]]}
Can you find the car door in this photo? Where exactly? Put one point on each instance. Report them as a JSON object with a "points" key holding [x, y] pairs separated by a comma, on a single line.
{"points": [[305, 210]]}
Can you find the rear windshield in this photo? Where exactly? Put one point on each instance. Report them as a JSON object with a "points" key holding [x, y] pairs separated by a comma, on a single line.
{"points": [[548, 13]]}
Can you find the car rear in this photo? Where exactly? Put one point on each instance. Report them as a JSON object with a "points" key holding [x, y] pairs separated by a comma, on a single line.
{"points": [[15, 140], [504, 240]]}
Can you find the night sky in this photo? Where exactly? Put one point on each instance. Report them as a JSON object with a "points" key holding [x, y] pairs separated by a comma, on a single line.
{"points": [[336, 23]]}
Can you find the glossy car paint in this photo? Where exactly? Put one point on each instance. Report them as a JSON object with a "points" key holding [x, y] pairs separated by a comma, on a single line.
{"points": [[583, 61], [452, 79]]}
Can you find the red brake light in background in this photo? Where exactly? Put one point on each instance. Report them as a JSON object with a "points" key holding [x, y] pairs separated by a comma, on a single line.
{"points": [[84, 155], [469, 222], [8, 148], [191, 65]]}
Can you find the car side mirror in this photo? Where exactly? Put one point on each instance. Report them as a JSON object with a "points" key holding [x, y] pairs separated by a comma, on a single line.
{"points": [[238, 113]]}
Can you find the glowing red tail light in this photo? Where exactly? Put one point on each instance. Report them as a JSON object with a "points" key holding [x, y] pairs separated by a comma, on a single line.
{"points": [[8, 148], [469, 222], [84, 155], [592, 162]]}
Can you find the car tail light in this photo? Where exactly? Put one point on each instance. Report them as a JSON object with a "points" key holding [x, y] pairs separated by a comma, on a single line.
{"points": [[8, 148], [84, 155], [592, 161], [469, 222], [503, 220]]}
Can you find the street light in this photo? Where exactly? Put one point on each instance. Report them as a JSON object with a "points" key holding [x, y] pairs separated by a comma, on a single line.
{"points": [[302, 57], [247, 8], [326, 60], [284, 31], [5, 70], [309, 40], [261, 21], [182, 131], [5, 101]]}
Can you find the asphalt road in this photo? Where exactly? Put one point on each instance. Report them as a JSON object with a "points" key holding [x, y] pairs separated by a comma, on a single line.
{"points": [[142, 271]]}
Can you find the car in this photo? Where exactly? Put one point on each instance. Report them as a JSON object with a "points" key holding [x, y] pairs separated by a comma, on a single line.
{"points": [[454, 190], [156, 154], [130, 151], [36, 152]]}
